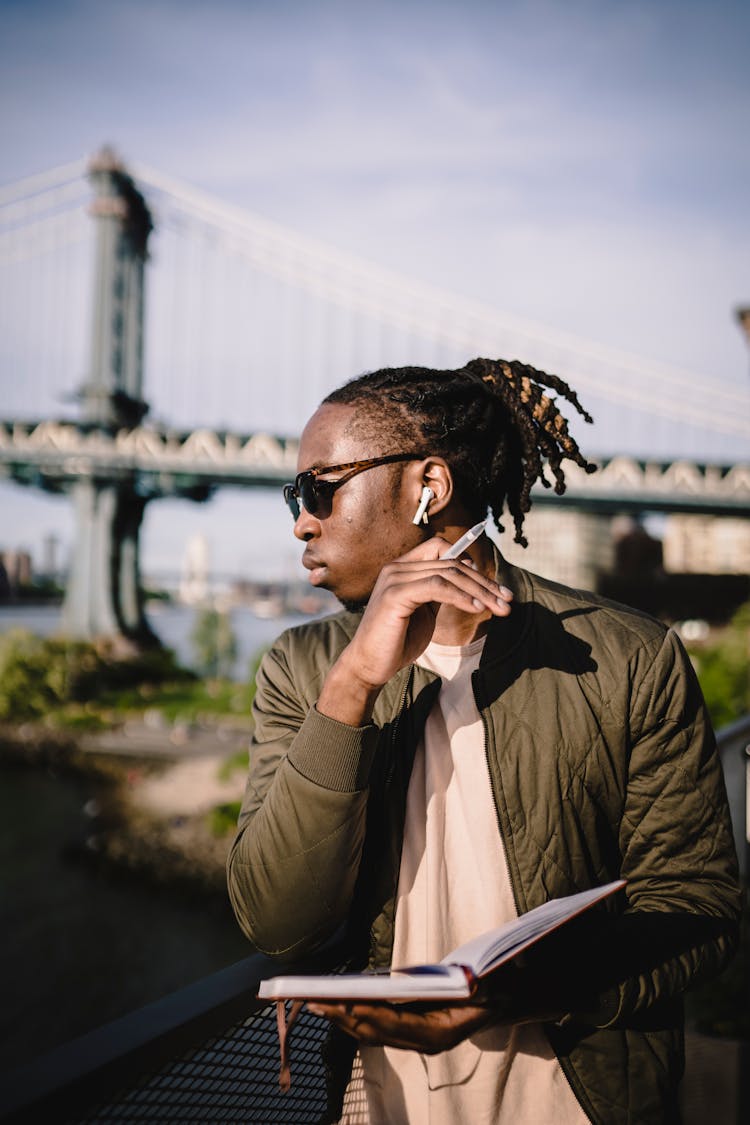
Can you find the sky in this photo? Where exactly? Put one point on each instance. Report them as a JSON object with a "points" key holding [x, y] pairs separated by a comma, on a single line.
{"points": [[581, 164]]}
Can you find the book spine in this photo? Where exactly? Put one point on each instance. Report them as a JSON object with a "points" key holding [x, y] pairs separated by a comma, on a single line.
{"points": [[471, 979]]}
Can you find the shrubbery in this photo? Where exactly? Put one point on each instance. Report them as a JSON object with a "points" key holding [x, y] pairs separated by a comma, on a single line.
{"points": [[723, 669], [223, 818], [38, 675]]}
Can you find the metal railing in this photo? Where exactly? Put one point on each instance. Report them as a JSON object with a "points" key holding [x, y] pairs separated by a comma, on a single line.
{"points": [[734, 748], [209, 1052]]}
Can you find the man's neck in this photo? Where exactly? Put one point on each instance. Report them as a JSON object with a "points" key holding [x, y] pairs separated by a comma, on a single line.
{"points": [[461, 629], [452, 627]]}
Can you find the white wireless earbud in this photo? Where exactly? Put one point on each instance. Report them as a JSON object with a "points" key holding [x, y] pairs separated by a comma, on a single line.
{"points": [[420, 516]]}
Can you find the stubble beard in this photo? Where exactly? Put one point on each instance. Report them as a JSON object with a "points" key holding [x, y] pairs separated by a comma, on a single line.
{"points": [[358, 605]]}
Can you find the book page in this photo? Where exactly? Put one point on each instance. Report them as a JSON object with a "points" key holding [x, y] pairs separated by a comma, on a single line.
{"points": [[488, 950], [423, 982], [448, 979]]}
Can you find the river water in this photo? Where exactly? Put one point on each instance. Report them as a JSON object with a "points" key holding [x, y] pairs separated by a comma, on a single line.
{"points": [[79, 947], [172, 623]]}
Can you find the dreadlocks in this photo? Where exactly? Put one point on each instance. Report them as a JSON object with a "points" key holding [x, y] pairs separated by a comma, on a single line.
{"points": [[491, 421]]}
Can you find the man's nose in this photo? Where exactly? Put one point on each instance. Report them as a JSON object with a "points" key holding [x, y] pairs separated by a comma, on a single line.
{"points": [[306, 527]]}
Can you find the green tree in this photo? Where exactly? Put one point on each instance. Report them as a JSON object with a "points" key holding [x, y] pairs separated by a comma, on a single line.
{"points": [[214, 643], [724, 670]]}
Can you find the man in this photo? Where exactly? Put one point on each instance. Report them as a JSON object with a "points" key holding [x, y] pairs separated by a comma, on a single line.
{"points": [[463, 743]]}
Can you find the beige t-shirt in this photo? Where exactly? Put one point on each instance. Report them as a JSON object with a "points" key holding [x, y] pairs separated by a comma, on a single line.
{"points": [[453, 885]]}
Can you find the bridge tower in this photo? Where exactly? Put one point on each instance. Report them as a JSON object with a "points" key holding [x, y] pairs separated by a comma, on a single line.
{"points": [[103, 596]]}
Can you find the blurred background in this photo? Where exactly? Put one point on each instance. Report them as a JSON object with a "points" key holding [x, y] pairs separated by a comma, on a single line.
{"points": [[213, 214]]}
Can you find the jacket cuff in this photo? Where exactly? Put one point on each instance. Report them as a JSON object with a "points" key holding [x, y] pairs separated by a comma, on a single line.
{"points": [[333, 754], [602, 1014]]}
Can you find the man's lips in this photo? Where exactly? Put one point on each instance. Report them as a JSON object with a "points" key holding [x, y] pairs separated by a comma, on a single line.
{"points": [[314, 565]]}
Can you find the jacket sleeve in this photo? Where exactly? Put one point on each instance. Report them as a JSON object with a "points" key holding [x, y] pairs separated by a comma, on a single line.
{"points": [[676, 846], [294, 863]]}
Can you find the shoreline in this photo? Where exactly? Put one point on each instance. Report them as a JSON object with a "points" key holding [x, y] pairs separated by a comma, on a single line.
{"points": [[151, 815]]}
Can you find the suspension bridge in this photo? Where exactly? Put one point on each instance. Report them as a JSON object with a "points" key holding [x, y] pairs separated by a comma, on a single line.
{"points": [[247, 325]]}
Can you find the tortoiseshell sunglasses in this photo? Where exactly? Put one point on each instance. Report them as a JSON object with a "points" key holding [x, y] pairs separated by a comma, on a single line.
{"points": [[316, 495]]}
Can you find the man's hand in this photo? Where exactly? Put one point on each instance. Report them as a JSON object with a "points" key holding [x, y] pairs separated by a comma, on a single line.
{"points": [[399, 622], [420, 1028]]}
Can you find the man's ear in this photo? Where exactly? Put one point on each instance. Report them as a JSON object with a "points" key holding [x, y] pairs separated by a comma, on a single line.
{"points": [[437, 476]]}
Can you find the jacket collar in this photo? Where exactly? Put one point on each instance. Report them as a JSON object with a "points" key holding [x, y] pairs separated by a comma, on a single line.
{"points": [[505, 634]]}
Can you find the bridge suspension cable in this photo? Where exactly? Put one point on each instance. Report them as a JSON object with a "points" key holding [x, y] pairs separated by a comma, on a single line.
{"points": [[44, 181], [42, 213], [250, 323], [45, 237], [414, 306]]}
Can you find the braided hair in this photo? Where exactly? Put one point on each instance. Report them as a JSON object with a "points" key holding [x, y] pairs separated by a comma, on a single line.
{"points": [[491, 421]]}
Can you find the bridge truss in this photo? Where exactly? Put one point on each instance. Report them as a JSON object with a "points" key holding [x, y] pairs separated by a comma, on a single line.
{"points": [[250, 325], [55, 455]]}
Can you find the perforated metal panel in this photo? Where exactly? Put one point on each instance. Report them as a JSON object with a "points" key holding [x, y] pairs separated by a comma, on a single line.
{"points": [[233, 1077]]}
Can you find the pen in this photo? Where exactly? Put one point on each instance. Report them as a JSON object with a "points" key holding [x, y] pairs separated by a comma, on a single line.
{"points": [[465, 541]]}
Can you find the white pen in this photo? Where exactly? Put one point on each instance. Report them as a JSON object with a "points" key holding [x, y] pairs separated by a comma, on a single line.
{"points": [[465, 541]]}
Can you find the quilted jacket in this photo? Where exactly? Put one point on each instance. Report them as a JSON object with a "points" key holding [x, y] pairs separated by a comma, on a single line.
{"points": [[602, 764]]}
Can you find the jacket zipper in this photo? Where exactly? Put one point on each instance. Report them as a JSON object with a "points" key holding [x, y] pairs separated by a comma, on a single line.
{"points": [[397, 722], [392, 746]]}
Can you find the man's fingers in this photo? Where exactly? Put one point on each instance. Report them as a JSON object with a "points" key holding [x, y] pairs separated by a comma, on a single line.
{"points": [[458, 587], [377, 1024], [464, 572], [398, 1026]]}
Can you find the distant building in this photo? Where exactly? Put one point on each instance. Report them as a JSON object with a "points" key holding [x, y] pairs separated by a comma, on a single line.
{"points": [[697, 568], [18, 569], [566, 546], [49, 560], [194, 583], [575, 547], [637, 554], [707, 545]]}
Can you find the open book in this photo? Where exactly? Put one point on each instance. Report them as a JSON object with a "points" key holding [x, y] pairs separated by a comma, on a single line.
{"points": [[453, 978]]}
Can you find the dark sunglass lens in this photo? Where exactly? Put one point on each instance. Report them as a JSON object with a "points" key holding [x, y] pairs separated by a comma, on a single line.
{"points": [[309, 492], [290, 497]]}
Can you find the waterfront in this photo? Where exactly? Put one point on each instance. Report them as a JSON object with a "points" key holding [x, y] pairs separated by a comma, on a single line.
{"points": [[81, 944], [173, 624]]}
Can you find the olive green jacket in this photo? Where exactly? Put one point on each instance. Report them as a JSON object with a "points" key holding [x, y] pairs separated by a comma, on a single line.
{"points": [[602, 764]]}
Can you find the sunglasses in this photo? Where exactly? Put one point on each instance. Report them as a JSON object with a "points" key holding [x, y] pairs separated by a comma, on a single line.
{"points": [[316, 495]]}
